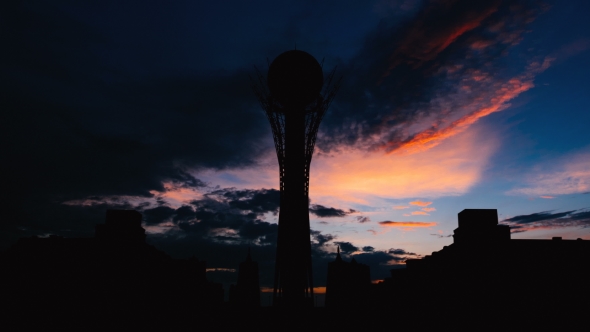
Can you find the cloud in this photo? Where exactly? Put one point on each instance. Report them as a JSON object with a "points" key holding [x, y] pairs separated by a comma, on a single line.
{"points": [[569, 174], [401, 252], [368, 249], [419, 213], [410, 224], [328, 212], [539, 216], [400, 207], [347, 247], [355, 175], [431, 77], [363, 219], [157, 215], [420, 203], [548, 220], [430, 209], [574, 48], [547, 197], [440, 236], [226, 215], [257, 201], [321, 239]]}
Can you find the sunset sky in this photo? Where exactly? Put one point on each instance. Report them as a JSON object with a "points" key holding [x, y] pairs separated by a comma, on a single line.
{"points": [[445, 105]]}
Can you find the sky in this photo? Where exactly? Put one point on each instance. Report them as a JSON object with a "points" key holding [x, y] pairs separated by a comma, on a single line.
{"points": [[444, 105]]}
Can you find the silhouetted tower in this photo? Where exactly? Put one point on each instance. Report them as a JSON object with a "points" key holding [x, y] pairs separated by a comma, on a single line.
{"points": [[246, 292], [295, 99]]}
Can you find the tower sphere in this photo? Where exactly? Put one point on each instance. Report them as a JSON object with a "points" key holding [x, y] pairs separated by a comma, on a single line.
{"points": [[295, 78]]}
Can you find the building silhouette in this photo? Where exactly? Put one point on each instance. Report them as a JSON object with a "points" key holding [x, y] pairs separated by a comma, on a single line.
{"points": [[293, 101], [485, 269], [348, 284], [116, 270], [246, 292]]}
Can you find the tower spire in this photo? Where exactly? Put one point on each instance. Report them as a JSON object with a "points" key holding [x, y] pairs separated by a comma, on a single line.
{"points": [[338, 258]]}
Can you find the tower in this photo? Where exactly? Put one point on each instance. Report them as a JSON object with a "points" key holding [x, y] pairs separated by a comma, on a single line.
{"points": [[294, 99], [246, 292]]}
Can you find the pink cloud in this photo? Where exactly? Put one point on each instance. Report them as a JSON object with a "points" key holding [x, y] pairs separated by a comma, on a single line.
{"points": [[356, 175], [547, 197], [420, 203], [400, 207]]}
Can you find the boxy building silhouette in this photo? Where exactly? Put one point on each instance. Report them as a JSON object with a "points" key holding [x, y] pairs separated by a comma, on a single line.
{"points": [[485, 269]]}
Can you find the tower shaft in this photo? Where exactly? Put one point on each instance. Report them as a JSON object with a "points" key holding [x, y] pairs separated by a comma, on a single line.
{"points": [[293, 265]]}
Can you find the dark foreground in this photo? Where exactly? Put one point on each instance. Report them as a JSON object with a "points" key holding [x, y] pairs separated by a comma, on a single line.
{"points": [[162, 316]]}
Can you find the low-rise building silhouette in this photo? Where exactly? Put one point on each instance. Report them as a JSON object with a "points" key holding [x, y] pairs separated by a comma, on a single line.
{"points": [[484, 268], [116, 269]]}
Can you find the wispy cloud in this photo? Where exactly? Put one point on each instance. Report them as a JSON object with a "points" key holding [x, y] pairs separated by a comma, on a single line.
{"points": [[441, 236], [419, 213], [430, 209], [433, 77], [567, 175], [410, 224], [548, 220], [420, 203], [491, 95], [362, 219], [400, 207]]}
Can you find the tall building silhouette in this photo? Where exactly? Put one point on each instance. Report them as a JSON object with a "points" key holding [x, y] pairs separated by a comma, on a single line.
{"points": [[348, 283], [246, 292], [295, 100]]}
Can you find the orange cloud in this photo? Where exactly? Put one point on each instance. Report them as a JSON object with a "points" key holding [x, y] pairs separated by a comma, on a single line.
{"points": [[355, 175], [547, 197], [419, 213], [430, 209], [420, 203], [411, 224], [434, 136], [480, 95], [400, 207]]}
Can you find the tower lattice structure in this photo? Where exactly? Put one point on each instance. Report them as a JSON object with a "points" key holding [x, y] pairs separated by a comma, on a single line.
{"points": [[294, 129]]}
